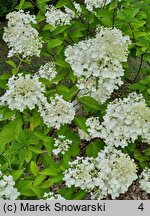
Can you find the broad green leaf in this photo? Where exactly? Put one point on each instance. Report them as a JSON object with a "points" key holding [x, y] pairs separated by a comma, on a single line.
{"points": [[34, 168], [24, 187], [80, 121], [54, 43], [79, 195], [16, 174], [62, 63], [12, 63], [19, 7], [90, 103], [61, 3], [38, 180], [35, 149], [94, 148], [9, 131], [28, 156], [50, 171]]}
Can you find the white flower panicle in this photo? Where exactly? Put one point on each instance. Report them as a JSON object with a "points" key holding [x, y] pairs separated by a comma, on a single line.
{"points": [[21, 37], [97, 62], [52, 196], [117, 171], [125, 120], [93, 127], [77, 7], [56, 17], [57, 112], [110, 173], [91, 4], [144, 180], [80, 173], [23, 92], [7, 190], [47, 71], [61, 145]]}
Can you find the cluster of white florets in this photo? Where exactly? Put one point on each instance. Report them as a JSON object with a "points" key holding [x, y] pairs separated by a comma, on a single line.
{"points": [[93, 127], [110, 173], [47, 71], [52, 196], [56, 17], [23, 92], [61, 145], [144, 180], [91, 4], [97, 62], [57, 112], [27, 92], [7, 190], [21, 37], [80, 173], [125, 120]]}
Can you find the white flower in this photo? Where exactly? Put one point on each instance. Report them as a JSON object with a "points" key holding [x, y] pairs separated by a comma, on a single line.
{"points": [[47, 71], [57, 112], [80, 173], [61, 145], [144, 180], [21, 37], [97, 62], [91, 4], [56, 17], [23, 92], [125, 120], [110, 173], [7, 190], [77, 7], [52, 196]]}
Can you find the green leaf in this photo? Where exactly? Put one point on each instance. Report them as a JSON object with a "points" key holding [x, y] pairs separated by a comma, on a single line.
{"points": [[39, 180], [61, 3], [12, 63], [21, 155], [80, 195], [138, 155], [35, 149], [35, 120], [147, 151], [9, 131], [63, 90], [28, 156], [90, 103], [94, 148], [19, 7], [37, 190], [34, 168], [24, 187], [62, 63], [76, 34], [67, 192], [46, 184], [50, 171], [54, 43], [17, 174], [80, 121]]}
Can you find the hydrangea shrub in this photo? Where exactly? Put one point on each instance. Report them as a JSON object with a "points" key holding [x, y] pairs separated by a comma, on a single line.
{"points": [[72, 129]]}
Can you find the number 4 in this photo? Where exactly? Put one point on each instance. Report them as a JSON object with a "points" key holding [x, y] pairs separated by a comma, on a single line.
{"points": [[141, 207]]}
